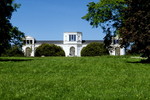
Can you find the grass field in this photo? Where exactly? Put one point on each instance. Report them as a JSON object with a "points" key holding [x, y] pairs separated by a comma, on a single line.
{"points": [[84, 78]]}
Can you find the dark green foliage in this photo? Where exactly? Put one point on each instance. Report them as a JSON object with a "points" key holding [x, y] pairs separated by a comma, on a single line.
{"points": [[14, 51], [8, 33], [94, 49], [16, 37], [136, 26], [108, 39], [49, 50]]}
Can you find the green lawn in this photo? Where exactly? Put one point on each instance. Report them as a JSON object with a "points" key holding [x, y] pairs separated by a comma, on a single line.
{"points": [[82, 78]]}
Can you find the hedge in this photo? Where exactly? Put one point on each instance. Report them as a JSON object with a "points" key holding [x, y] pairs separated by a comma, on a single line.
{"points": [[49, 50], [94, 49]]}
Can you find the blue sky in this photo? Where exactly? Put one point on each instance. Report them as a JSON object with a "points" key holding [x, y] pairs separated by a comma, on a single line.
{"points": [[48, 19]]}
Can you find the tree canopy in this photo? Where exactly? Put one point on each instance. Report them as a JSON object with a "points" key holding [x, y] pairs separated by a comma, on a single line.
{"points": [[8, 33], [105, 13], [136, 26]]}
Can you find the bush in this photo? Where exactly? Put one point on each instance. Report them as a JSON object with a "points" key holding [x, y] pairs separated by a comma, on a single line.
{"points": [[49, 50], [14, 51], [94, 49]]}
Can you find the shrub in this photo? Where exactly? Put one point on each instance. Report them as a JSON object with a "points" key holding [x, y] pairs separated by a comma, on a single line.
{"points": [[94, 49], [49, 50], [14, 51]]}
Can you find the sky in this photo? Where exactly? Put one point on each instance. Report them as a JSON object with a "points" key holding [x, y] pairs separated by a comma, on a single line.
{"points": [[49, 19]]}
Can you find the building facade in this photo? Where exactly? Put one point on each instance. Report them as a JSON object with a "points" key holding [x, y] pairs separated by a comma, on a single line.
{"points": [[72, 45]]}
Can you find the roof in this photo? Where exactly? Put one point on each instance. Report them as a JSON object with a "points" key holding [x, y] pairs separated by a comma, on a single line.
{"points": [[72, 32], [29, 37], [49, 41], [61, 42], [90, 41]]}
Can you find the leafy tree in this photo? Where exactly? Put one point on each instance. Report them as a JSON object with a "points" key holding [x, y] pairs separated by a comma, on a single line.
{"points": [[49, 50], [108, 39], [106, 14], [136, 26], [8, 34], [94, 49]]}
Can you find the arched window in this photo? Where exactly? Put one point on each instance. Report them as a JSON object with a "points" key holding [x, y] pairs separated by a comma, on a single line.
{"points": [[28, 42], [28, 52], [117, 51], [72, 51]]}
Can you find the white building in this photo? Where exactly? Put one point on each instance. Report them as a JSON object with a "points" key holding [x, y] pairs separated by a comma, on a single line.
{"points": [[72, 45]]}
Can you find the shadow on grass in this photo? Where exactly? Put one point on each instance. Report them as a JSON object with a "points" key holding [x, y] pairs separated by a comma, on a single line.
{"points": [[14, 60], [146, 61]]}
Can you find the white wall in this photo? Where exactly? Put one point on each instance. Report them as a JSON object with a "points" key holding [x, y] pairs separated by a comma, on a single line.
{"points": [[122, 51], [67, 47], [78, 38]]}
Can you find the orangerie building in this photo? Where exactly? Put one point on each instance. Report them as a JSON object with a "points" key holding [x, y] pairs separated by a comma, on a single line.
{"points": [[72, 44]]}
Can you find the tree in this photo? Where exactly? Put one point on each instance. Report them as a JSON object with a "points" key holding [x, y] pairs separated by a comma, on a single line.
{"points": [[49, 50], [136, 26], [108, 39], [8, 34], [106, 14], [94, 49]]}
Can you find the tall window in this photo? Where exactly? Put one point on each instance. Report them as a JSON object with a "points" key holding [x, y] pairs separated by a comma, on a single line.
{"points": [[72, 37], [28, 42]]}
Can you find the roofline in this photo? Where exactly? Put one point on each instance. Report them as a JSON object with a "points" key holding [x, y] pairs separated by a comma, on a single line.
{"points": [[62, 40], [49, 40], [72, 32]]}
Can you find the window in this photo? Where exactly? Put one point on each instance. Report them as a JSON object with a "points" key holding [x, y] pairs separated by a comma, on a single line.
{"points": [[116, 41], [72, 37], [27, 41], [30, 41]]}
